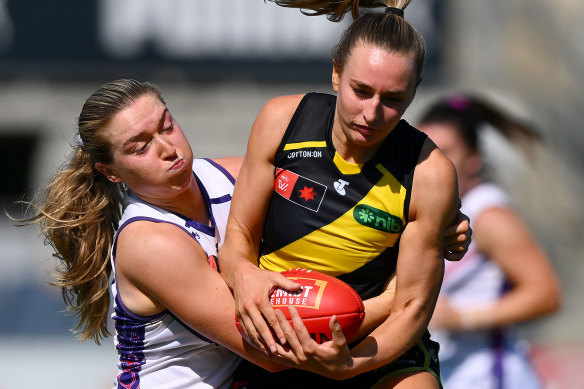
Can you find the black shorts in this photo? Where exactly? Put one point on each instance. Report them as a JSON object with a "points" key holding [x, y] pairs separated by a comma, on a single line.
{"points": [[421, 357]]}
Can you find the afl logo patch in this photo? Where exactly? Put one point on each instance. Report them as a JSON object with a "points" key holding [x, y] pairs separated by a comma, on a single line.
{"points": [[299, 190]]}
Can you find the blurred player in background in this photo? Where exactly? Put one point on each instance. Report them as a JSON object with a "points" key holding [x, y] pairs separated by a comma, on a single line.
{"points": [[506, 277]]}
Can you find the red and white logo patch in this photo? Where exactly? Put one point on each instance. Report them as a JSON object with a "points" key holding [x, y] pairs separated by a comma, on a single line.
{"points": [[299, 190]]}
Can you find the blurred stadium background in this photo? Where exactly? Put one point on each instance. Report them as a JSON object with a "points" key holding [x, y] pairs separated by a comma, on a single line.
{"points": [[217, 63]]}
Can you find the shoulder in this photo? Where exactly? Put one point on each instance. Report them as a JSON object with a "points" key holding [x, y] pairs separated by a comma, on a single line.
{"points": [[435, 186], [271, 124], [280, 108], [143, 241], [434, 167], [231, 164], [496, 222], [148, 251], [483, 196]]}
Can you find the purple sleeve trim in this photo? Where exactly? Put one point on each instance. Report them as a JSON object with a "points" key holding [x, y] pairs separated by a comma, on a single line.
{"points": [[222, 169], [135, 316], [220, 200]]}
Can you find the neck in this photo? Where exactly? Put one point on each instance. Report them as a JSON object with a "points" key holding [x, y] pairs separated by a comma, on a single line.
{"points": [[466, 186], [189, 203]]}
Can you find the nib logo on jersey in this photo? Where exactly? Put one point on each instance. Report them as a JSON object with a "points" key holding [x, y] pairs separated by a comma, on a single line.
{"points": [[377, 219], [299, 190]]}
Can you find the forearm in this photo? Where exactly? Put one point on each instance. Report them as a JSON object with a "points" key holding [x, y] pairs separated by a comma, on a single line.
{"points": [[397, 334], [239, 251], [514, 307], [377, 310]]}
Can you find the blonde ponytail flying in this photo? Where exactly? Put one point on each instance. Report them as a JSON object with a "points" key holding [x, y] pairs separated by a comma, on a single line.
{"points": [[81, 209], [78, 218]]}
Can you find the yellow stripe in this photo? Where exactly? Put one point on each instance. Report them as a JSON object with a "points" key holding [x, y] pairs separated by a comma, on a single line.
{"points": [[344, 245], [347, 167], [304, 145]]}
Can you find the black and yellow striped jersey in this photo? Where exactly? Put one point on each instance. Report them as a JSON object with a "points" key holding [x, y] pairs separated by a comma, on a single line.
{"points": [[336, 217]]}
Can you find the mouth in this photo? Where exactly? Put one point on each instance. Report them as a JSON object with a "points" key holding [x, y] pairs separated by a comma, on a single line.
{"points": [[178, 164], [365, 130]]}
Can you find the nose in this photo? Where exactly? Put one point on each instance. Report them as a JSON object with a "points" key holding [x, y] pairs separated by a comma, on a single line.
{"points": [[373, 110], [167, 149]]}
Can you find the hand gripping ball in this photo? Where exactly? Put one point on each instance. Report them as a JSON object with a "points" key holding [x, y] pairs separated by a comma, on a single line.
{"points": [[321, 297]]}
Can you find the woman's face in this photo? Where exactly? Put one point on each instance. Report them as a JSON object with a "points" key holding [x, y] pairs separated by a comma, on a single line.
{"points": [[374, 89], [150, 153], [467, 163]]}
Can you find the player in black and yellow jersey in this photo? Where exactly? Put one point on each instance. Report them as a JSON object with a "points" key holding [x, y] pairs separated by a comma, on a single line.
{"points": [[343, 185], [341, 218]]}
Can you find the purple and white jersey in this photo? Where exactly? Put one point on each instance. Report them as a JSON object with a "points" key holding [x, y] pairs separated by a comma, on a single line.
{"points": [[159, 351], [481, 359]]}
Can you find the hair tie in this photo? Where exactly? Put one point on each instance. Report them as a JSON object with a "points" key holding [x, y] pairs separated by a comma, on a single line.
{"points": [[458, 102], [394, 10], [80, 141]]}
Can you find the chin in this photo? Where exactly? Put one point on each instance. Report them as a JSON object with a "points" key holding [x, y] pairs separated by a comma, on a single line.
{"points": [[363, 141]]}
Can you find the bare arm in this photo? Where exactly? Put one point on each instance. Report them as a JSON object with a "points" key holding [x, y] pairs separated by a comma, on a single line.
{"points": [[251, 286], [420, 263], [158, 266], [503, 237], [457, 238]]}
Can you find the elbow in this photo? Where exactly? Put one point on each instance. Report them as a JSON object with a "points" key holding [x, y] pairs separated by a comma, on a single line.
{"points": [[554, 299], [551, 299]]}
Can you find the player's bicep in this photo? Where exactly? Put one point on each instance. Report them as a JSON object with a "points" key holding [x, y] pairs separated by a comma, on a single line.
{"points": [[255, 182], [434, 199], [433, 206], [174, 270], [171, 268]]}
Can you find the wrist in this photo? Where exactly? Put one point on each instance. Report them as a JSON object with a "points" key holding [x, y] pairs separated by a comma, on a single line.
{"points": [[232, 266]]}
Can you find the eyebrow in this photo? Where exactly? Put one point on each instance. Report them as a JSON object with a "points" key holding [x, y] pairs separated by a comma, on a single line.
{"points": [[140, 135], [361, 84]]}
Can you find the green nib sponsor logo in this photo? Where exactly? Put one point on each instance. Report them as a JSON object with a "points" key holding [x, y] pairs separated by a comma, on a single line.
{"points": [[377, 219]]}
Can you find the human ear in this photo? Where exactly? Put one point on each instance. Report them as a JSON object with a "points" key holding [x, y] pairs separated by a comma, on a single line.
{"points": [[336, 75], [107, 171]]}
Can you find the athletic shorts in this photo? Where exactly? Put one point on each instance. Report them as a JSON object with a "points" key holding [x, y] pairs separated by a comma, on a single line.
{"points": [[421, 357]]}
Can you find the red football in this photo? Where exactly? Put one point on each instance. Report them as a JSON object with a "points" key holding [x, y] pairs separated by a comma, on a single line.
{"points": [[321, 297]]}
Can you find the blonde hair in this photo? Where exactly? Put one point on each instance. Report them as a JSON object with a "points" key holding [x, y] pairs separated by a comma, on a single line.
{"points": [[80, 210]]}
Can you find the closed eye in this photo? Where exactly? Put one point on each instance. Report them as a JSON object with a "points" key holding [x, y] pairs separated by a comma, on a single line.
{"points": [[170, 126], [388, 100], [361, 93], [142, 149]]}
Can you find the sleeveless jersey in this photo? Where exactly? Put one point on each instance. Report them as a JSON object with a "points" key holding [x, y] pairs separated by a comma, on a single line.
{"points": [[491, 358], [341, 219], [159, 351], [336, 217]]}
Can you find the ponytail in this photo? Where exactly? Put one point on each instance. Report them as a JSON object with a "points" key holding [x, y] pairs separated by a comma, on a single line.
{"points": [[387, 30], [80, 210], [468, 115], [336, 9], [78, 217]]}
